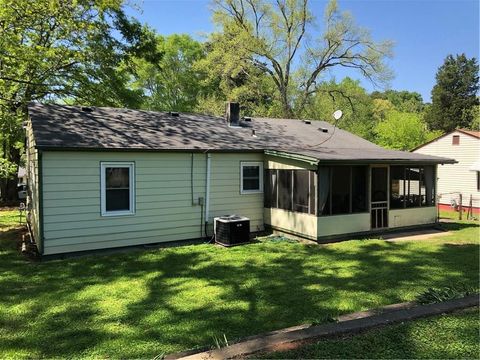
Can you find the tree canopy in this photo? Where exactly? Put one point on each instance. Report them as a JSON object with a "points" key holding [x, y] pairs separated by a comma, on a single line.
{"points": [[171, 83], [275, 38], [454, 96], [54, 50], [266, 54]]}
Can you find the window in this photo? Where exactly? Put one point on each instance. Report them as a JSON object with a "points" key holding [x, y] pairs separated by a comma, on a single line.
{"points": [[251, 177], [292, 190], [456, 140], [342, 190], [412, 186], [478, 180], [117, 188]]}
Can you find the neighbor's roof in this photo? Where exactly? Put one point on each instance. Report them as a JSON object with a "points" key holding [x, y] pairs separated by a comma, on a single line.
{"points": [[470, 132], [59, 127], [475, 134]]}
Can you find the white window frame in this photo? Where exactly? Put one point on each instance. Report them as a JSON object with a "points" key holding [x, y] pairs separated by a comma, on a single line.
{"points": [[131, 173], [260, 174]]}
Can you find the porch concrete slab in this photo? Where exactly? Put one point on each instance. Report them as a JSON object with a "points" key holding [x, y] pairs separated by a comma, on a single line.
{"points": [[415, 235], [265, 343]]}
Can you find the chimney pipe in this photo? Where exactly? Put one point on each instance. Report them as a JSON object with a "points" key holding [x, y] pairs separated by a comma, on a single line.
{"points": [[232, 113]]}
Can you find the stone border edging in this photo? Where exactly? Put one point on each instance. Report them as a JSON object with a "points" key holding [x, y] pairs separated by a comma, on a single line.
{"points": [[347, 323]]}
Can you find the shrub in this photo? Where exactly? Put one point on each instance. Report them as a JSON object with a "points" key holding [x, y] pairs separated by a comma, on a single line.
{"points": [[436, 295]]}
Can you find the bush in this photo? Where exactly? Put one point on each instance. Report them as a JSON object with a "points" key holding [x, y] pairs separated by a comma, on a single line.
{"points": [[436, 295]]}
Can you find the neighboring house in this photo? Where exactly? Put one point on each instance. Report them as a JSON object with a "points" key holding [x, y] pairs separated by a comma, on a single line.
{"points": [[21, 185], [21, 175], [103, 178], [463, 177]]}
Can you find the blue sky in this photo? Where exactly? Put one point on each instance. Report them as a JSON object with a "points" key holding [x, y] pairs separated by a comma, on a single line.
{"points": [[424, 31]]}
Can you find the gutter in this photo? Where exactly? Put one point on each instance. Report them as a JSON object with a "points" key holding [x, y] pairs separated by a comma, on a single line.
{"points": [[287, 155]]}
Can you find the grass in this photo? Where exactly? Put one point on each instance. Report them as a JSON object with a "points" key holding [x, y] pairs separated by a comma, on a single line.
{"points": [[452, 336], [453, 215], [142, 304]]}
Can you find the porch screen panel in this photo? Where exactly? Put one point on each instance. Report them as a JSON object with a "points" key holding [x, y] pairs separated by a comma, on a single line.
{"points": [[313, 192], [413, 179], [271, 187], [397, 187], [412, 187], [323, 190], [429, 183], [340, 190], [301, 189], [359, 189], [285, 189]]}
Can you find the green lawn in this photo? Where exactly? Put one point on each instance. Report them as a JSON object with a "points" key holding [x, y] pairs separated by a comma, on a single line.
{"points": [[142, 304], [452, 336]]}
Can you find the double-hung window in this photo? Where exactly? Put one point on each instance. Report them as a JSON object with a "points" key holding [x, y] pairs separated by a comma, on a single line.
{"points": [[117, 188], [251, 177]]}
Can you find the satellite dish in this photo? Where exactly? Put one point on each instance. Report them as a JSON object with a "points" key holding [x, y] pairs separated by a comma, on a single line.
{"points": [[337, 114]]}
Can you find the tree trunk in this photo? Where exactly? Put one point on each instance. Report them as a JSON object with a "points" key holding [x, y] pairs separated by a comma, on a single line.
{"points": [[286, 107], [8, 187]]}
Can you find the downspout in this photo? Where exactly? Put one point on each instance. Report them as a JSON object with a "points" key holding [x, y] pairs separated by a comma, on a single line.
{"points": [[207, 192], [41, 241]]}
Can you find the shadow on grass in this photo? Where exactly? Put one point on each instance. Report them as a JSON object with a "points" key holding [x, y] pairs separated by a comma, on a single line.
{"points": [[133, 305], [454, 226]]}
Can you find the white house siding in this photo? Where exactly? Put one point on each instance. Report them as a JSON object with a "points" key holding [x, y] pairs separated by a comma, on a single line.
{"points": [[164, 210], [456, 178], [33, 203], [225, 197]]}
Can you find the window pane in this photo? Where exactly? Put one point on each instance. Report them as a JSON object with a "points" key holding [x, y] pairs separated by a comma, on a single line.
{"points": [[251, 178], [117, 199], [300, 190], [340, 190], [359, 189], [397, 182], [117, 177], [285, 189], [251, 184], [251, 171]]}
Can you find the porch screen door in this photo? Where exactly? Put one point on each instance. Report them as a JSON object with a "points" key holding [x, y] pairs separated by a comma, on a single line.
{"points": [[379, 197]]}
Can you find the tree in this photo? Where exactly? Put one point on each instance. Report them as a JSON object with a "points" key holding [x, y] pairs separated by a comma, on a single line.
{"points": [[406, 101], [60, 50], [173, 83], [231, 75], [352, 99], [402, 131], [272, 37], [454, 95]]}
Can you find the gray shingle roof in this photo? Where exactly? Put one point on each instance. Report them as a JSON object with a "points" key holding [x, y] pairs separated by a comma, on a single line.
{"points": [[71, 127]]}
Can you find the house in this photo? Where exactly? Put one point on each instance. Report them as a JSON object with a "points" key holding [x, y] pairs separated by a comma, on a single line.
{"points": [[461, 178], [21, 175], [103, 177]]}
